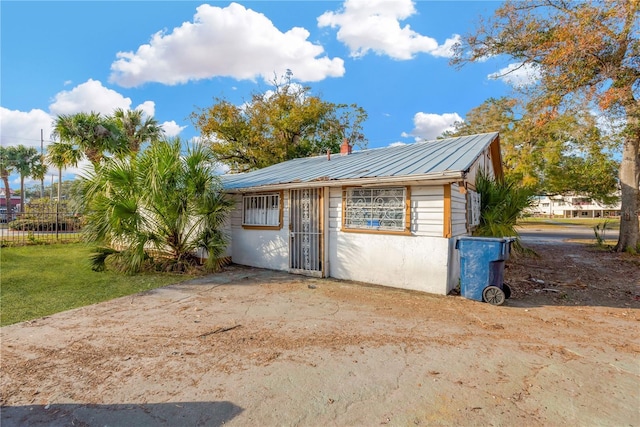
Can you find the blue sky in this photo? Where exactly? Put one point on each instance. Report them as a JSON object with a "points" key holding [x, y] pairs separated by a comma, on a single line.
{"points": [[170, 58]]}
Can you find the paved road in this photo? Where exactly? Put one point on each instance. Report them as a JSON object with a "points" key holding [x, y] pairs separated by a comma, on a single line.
{"points": [[555, 234]]}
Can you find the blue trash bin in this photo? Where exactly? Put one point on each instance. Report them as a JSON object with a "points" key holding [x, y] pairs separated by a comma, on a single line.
{"points": [[482, 268]]}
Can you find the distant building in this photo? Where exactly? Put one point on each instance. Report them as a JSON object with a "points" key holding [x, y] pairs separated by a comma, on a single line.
{"points": [[578, 206], [15, 201]]}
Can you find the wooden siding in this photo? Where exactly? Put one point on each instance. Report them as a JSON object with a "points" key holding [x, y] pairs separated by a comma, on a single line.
{"points": [[485, 164], [236, 213], [335, 208], [426, 209], [458, 212]]}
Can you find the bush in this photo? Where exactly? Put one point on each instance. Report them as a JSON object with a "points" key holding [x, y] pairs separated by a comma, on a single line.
{"points": [[502, 204], [162, 206], [46, 223]]}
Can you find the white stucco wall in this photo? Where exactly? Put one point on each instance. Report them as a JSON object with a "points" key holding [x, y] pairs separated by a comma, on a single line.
{"points": [[419, 261], [424, 261], [260, 248], [453, 277], [408, 262]]}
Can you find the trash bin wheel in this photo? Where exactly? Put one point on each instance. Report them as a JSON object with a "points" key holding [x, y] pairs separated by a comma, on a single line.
{"points": [[493, 295], [507, 290]]}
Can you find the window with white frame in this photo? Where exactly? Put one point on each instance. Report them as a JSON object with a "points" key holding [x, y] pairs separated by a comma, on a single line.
{"points": [[261, 210], [381, 209]]}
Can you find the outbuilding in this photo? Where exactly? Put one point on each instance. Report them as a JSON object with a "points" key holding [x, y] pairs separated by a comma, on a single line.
{"points": [[388, 216]]}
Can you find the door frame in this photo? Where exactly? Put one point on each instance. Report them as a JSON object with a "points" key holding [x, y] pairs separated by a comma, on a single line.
{"points": [[295, 260]]}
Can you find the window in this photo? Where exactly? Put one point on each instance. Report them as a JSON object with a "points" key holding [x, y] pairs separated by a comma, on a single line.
{"points": [[474, 208], [378, 209], [262, 210]]}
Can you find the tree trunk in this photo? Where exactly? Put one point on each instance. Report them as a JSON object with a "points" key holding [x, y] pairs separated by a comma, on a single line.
{"points": [[21, 193], [59, 183], [629, 181], [7, 195]]}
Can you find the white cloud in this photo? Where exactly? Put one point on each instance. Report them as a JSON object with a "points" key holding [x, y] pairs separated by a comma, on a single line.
{"points": [[232, 41], [67, 174], [148, 108], [374, 25], [171, 128], [430, 126], [92, 95], [19, 127], [292, 89], [446, 50], [221, 169], [86, 97], [517, 74]]}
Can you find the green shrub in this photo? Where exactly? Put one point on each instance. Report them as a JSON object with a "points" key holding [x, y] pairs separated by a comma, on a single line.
{"points": [[501, 205], [162, 206], [600, 231], [47, 223]]}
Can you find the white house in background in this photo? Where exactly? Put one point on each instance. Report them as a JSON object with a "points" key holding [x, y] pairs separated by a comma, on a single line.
{"points": [[387, 216], [572, 207]]}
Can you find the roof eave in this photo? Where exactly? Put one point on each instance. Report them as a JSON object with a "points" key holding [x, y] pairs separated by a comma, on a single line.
{"points": [[430, 178]]}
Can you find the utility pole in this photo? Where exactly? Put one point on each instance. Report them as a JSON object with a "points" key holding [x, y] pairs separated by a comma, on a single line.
{"points": [[42, 160]]}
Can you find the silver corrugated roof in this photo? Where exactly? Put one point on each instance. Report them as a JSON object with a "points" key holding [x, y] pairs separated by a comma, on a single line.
{"points": [[430, 158]]}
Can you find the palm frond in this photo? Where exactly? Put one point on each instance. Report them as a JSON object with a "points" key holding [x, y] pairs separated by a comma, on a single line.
{"points": [[502, 204], [99, 256], [159, 200]]}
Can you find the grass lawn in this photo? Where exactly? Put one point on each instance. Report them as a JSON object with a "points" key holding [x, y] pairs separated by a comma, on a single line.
{"points": [[587, 222], [36, 281]]}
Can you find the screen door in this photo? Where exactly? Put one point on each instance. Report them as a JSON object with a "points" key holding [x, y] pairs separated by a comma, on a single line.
{"points": [[306, 232]]}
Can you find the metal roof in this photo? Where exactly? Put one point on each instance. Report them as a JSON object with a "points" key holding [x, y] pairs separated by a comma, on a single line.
{"points": [[424, 160]]}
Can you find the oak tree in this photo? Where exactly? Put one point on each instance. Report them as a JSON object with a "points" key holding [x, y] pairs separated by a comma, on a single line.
{"points": [[586, 51], [562, 156], [281, 124]]}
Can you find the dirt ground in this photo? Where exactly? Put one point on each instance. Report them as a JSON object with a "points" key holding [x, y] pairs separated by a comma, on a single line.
{"points": [[256, 347]]}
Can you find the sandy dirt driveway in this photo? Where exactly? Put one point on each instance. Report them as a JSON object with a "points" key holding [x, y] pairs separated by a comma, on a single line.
{"points": [[261, 348]]}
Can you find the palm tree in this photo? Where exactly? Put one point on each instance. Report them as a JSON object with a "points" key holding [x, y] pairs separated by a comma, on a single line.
{"points": [[92, 134], [159, 203], [38, 172], [25, 162], [502, 204], [6, 168], [135, 130], [62, 155]]}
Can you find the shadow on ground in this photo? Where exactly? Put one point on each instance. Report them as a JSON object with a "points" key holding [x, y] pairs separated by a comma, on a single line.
{"points": [[150, 414]]}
